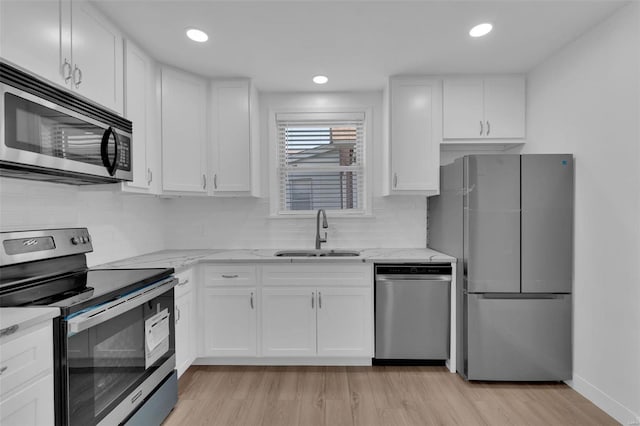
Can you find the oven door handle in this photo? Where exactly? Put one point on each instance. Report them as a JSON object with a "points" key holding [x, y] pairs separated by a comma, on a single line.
{"points": [[112, 309]]}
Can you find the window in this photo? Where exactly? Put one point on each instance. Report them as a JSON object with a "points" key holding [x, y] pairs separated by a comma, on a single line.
{"points": [[321, 162]]}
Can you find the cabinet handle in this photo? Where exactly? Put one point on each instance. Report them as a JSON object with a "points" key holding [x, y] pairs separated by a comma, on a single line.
{"points": [[204, 181], [149, 176], [215, 181], [313, 296], [66, 70], [230, 276], [319, 300], [180, 284], [481, 127], [251, 300], [488, 127], [9, 330], [395, 180], [77, 80], [177, 315]]}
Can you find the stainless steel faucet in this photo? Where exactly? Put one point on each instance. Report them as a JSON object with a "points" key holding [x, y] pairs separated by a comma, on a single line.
{"points": [[325, 225]]}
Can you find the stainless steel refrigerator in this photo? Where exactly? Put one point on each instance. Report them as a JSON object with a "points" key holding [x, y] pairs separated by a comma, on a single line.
{"points": [[509, 221]]}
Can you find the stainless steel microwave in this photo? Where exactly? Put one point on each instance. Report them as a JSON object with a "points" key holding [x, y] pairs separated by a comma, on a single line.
{"points": [[47, 133]]}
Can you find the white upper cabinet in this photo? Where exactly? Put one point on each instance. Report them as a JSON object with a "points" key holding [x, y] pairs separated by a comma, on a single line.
{"points": [[230, 125], [66, 42], [141, 108], [490, 108], [184, 132], [415, 132]]}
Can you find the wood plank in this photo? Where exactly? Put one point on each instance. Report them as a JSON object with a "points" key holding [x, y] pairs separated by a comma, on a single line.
{"points": [[370, 396]]}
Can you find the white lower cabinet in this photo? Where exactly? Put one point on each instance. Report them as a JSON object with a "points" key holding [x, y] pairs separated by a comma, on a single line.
{"points": [[185, 321], [26, 377], [230, 321], [325, 310], [288, 321], [344, 321]]}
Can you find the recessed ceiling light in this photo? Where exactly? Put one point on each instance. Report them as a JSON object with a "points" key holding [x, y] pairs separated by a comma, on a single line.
{"points": [[320, 79], [197, 35], [481, 30]]}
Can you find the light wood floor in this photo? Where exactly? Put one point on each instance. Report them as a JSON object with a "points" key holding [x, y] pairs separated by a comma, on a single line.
{"points": [[370, 396]]}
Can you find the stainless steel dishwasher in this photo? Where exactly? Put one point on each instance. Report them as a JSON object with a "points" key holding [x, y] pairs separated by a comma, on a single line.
{"points": [[412, 308]]}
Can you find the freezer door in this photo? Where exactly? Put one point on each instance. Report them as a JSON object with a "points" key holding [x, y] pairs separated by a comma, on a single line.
{"points": [[518, 337], [492, 223], [547, 223]]}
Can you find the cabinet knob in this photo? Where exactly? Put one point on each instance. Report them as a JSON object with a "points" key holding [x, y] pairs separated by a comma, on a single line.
{"points": [[204, 181], [215, 181], [481, 127], [313, 296], [395, 180], [319, 300], [488, 127], [251, 301], [149, 176]]}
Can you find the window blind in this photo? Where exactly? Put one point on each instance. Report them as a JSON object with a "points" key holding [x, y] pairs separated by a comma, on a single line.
{"points": [[321, 162]]}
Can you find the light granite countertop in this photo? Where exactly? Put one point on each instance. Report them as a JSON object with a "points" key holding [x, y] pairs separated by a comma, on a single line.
{"points": [[25, 317], [183, 259]]}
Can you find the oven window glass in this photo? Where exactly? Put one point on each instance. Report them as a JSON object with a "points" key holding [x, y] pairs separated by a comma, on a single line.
{"points": [[107, 361]]}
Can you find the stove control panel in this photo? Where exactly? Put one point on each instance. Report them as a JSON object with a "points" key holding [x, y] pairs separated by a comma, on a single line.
{"points": [[24, 246]]}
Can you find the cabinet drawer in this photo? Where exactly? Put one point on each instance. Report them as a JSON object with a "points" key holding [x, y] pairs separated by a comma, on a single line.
{"points": [[230, 274], [185, 282], [317, 275], [25, 356]]}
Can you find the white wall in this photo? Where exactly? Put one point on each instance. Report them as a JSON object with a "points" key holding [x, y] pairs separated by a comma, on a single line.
{"points": [[585, 100], [238, 223], [121, 225]]}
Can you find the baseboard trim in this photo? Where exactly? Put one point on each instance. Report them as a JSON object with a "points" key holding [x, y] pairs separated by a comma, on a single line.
{"points": [[605, 402], [283, 361]]}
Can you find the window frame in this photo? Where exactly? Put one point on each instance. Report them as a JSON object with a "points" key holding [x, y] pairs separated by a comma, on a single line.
{"points": [[274, 175]]}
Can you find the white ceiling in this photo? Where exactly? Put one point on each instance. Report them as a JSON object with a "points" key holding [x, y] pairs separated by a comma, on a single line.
{"points": [[357, 44]]}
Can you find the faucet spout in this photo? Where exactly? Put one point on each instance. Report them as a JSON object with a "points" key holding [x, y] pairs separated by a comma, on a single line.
{"points": [[325, 224]]}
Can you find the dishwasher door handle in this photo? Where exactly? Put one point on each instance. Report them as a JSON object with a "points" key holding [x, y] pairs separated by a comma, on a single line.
{"points": [[411, 278]]}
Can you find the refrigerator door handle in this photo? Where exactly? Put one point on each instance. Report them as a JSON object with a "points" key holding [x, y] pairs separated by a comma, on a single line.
{"points": [[520, 296]]}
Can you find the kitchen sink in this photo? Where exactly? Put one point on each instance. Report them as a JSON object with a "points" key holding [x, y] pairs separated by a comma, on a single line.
{"points": [[317, 253]]}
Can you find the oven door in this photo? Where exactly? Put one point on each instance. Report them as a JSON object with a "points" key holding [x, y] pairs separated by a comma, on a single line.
{"points": [[115, 355], [41, 134]]}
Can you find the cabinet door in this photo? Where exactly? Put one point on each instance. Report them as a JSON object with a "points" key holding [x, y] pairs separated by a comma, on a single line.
{"points": [[288, 321], [140, 108], [31, 406], [30, 37], [185, 331], [230, 321], [463, 109], [345, 321], [504, 107], [96, 47], [416, 131], [230, 127], [184, 105]]}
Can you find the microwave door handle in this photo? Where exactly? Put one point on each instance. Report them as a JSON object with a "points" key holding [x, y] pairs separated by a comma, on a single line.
{"points": [[104, 152]]}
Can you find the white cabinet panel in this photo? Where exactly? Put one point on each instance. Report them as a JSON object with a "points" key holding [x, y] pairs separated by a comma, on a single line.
{"points": [[96, 46], [31, 406], [140, 108], [30, 37], [288, 322], [67, 42], [345, 322], [230, 321], [415, 134], [185, 321], [490, 108], [184, 106], [231, 136]]}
